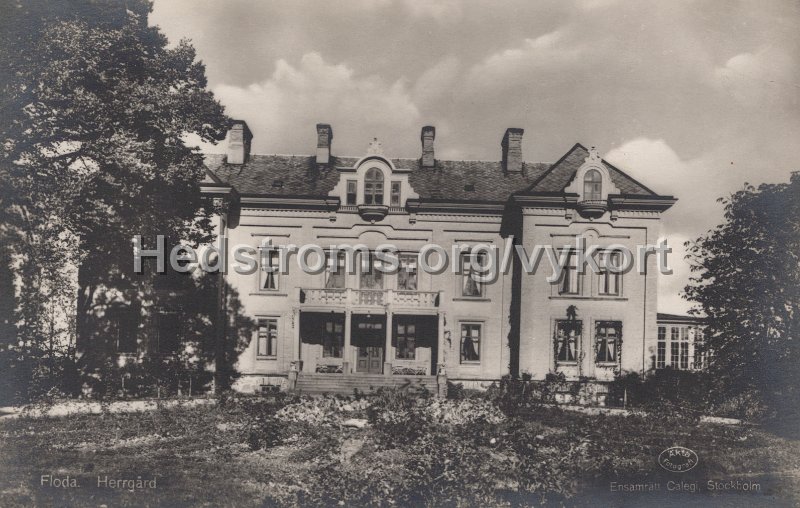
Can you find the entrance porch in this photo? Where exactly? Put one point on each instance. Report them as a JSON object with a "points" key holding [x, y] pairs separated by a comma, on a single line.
{"points": [[368, 343]]}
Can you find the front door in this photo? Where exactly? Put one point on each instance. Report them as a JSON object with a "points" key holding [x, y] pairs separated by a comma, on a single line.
{"points": [[370, 360]]}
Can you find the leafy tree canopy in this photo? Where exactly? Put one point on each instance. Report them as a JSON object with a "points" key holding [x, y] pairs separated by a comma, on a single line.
{"points": [[747, 282], [95, 107]]}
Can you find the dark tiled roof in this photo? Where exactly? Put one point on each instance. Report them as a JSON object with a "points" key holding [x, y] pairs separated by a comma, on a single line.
{"points": [[447, 181], [297, 174], [661, 316], [562, 172]]}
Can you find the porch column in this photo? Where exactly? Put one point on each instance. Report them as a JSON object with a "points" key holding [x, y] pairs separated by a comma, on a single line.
{"points": [[441, 368], [295, 335], [387, 364], [441, 355], [348, 355]]}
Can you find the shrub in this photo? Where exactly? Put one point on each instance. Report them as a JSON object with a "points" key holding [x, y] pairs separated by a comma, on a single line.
{"points": [[398, 417], [665, 391]]}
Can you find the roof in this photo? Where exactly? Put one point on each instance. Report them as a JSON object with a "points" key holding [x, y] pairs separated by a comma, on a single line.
{"points": [[560, 174], [678, 318], [298, 176], [484, 181]]}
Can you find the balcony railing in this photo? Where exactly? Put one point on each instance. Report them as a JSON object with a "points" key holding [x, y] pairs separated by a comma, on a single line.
{"points": [[370, 297], [592, 207]]}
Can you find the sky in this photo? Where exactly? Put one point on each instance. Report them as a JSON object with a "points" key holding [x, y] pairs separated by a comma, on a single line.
{"points": [[692, 98]]}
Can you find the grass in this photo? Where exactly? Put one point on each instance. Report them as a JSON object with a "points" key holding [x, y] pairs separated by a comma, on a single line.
{"points": [[237, 454]]}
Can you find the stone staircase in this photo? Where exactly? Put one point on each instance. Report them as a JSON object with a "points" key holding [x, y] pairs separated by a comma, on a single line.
{"points": [[317, 384]]}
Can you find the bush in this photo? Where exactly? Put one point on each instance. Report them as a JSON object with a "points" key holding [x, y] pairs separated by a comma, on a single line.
{"points": [[665, 391], [398, 417]]}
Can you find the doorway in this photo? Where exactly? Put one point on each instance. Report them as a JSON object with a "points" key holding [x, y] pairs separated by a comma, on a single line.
{"points": [[370, 360], [369, 338]]}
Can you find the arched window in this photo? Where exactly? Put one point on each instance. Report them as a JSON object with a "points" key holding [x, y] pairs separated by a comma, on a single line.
{"points": [[373, 187], [592, 186]]}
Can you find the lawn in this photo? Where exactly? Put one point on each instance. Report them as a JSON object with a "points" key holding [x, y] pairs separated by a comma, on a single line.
{"points": [[248, 451]]}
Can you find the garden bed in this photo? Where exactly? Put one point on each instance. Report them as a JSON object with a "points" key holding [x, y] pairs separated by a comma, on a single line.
{"points": [[250, 451]]}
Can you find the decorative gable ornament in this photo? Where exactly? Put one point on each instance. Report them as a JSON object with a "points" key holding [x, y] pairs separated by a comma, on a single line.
{"points": [[594, 156], [375, 147], [590, 206]]}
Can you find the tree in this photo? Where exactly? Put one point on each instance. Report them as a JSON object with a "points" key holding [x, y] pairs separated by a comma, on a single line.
{"points": [[95, 109], [747, 282]]}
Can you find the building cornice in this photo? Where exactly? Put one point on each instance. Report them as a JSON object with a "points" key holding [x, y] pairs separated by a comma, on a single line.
{"points": [[329, 203], [615, 201], [630, 202], [455, 207]]}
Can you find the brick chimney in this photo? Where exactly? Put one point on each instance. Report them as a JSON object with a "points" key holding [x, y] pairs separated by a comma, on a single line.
{"points": [[324, 138], [512, 150], [428, 134], [239, 137]]}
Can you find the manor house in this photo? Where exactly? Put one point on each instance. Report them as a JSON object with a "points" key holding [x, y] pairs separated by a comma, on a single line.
{"points": [[338, 329]]}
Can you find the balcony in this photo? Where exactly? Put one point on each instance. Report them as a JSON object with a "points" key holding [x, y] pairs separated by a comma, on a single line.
{"points": [[592, 207], [369, 298], [373, 213]]}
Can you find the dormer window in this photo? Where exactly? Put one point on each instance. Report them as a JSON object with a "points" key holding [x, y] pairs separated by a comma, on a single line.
{"points": [[352, 185], [592, 186], [373, 187]]}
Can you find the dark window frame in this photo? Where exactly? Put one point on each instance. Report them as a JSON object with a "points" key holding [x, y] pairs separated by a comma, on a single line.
{"points": [[271, 336], [471, 355], [570, 273], [610, 355], [562, 338], [351, 192], [333, 339], [374, 187], [593, 185], [406, 339]]}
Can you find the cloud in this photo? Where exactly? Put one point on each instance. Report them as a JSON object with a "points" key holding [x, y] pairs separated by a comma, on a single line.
{"points": [[436, 82], [440, 10], [521, 63], [766, 76], [283, 109], [591, 5], [655, 163]]}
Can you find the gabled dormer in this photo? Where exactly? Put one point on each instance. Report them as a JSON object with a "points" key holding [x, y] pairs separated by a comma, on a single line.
{"points": [[593, 185], [373, 186]]}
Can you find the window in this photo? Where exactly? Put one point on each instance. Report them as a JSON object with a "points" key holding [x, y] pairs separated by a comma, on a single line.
{"points": [[684, 358], [371, 276], [269, 271], [608, 337], [395, 196], [125, 325], [332, 339], [168, 332], [471, 342], [407, 273], [674, 346], [406, 341], [469, 286], [699, 352], [592, 186], [267, 338], [661, 353], [373, 187], [335, 271], [609, 281], [570, 278], [352, 185], [567, 336]]}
